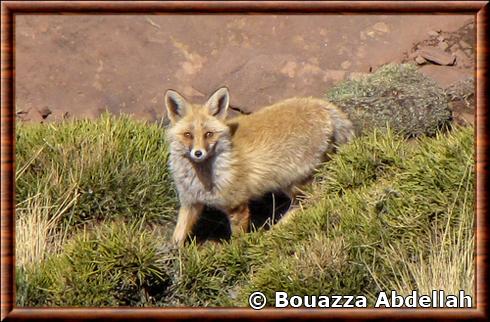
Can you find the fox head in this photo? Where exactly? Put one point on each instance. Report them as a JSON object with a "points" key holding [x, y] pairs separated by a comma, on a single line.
{"points": [[198, 131]]}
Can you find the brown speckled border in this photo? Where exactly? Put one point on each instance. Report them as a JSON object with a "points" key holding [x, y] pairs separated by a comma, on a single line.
{"points": [[10, 8]]}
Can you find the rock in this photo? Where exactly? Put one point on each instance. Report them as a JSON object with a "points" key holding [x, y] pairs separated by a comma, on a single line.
{"points": [[445, 76], [381, 27], [371, 33], [21, 112], [443, 45], [464, 44], [95, 113], [266, 76], [250, 64], [191, 93], [148, 114], [34, 116], [234, 111], [289, 69], [462, 59], [441, 38], [454, 47], [437, 55], [397, 60], [468, 52], [334, 76], [412, 55], [58, 115], [420, 60], [461, 114], [44, 112], [433, 33]]}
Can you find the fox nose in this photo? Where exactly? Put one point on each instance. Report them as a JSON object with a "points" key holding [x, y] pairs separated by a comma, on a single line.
{"points": [[198, 155]]}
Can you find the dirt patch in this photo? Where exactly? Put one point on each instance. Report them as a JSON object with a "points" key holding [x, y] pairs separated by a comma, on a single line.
{"points": [[82, 65]]}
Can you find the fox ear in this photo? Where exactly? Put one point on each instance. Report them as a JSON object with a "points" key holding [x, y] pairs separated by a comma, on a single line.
{"points": [[176, 105], [218, 103]]}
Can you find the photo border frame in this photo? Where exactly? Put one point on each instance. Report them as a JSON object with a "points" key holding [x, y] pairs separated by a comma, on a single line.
{"points": [[11, 8]]}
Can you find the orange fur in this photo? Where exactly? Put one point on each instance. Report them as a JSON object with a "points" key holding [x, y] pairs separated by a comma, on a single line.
{"points": [[276, 148]]}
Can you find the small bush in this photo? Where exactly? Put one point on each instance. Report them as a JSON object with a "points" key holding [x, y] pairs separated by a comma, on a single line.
{"points": [[116, 166], [397, 96], [115, 264], [464, 91]]}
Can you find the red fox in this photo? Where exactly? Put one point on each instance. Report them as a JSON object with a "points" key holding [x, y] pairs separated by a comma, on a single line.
{"points": [[225, 163]]}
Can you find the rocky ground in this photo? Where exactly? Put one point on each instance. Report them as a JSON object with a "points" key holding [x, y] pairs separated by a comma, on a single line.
{"points": [[449, 59], [80, 66]]}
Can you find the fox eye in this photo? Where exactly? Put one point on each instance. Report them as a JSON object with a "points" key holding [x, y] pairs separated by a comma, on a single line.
{"points": [[209, 134], [188, 135]]}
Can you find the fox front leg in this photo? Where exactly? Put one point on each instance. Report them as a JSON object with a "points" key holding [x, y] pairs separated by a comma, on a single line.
{"points": [[239, 219], [188, 215]]}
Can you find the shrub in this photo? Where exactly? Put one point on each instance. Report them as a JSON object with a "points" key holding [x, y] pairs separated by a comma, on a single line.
{"points": [[114, 264], [117, 167], [397, 96]]}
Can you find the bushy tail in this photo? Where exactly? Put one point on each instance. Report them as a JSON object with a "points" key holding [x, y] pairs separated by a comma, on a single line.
{"points": [[343, 130]]}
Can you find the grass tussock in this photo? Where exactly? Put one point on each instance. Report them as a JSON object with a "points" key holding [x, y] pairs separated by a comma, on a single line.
{"points": [[463, 90], [37, 227], [384, 213], [114, 264], [116, 167], [397, 96]]}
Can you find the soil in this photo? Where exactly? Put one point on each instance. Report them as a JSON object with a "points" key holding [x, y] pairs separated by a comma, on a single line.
{"points": [[82, 65]]}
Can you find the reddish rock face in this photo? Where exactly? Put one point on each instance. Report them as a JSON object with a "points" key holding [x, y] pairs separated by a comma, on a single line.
{"points": [[437, 55], [83, 65]]}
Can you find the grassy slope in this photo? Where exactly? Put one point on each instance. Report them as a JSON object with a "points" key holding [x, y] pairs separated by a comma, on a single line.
{"points": [[384, 213]]}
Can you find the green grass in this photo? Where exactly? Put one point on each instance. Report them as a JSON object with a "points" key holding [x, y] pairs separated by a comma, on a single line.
{"points": [[343, 240], [112, 168], [114, 264], [383, 213]]}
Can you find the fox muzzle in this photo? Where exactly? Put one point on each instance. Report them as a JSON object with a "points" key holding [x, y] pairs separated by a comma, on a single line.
{"points": [[198, 155]]}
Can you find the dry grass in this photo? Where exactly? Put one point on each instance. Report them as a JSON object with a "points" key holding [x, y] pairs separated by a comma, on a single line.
{"points": [[450, 268], [36, 227], [449, 263], [38, 217]]}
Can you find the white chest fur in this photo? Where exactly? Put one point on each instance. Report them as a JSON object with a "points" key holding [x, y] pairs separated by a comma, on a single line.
{"points": [[207, 182]]}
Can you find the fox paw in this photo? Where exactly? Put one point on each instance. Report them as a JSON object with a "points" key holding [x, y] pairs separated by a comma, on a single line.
{"points": [[179, 239]]}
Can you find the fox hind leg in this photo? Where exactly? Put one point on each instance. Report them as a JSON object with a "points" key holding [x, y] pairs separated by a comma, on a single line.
{"points": [[297, 189], [188, 215], [295, 192], [239, 219]]}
